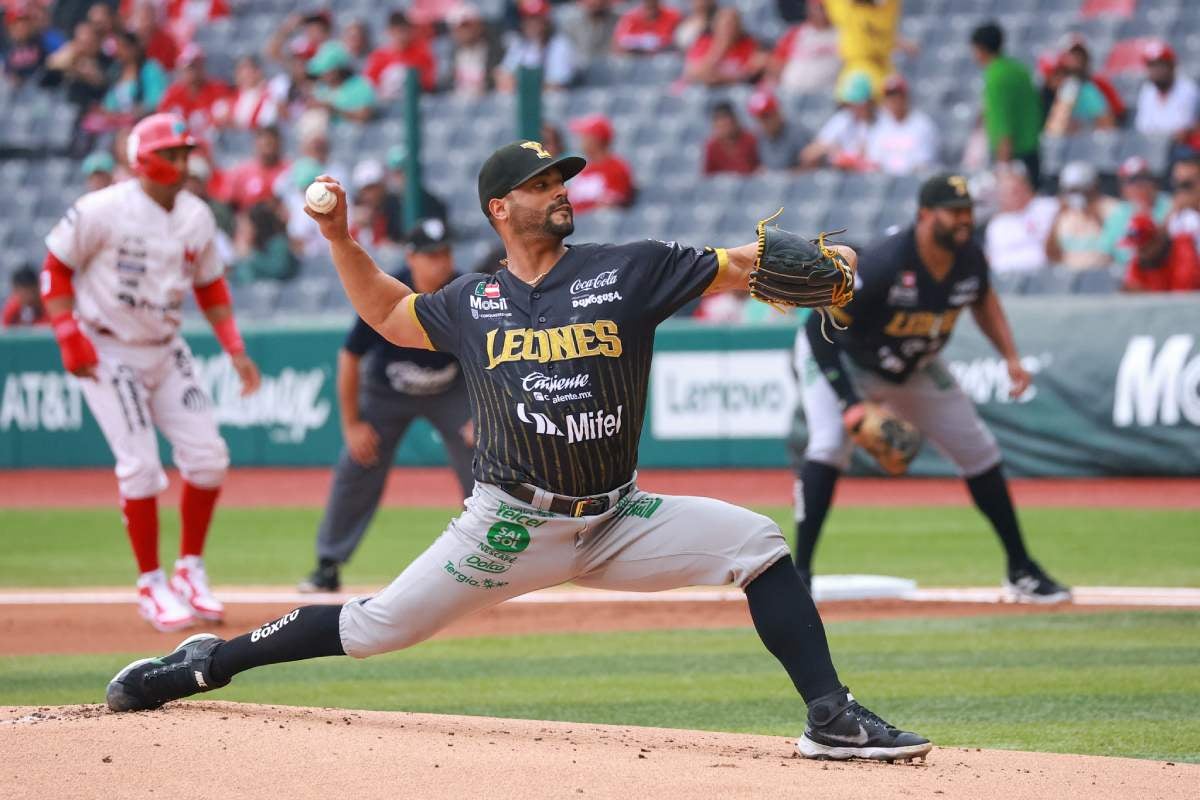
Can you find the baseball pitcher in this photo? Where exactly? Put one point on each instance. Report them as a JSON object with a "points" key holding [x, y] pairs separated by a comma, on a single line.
{"points": [[876, 378], [556, 496], [119, 264]]}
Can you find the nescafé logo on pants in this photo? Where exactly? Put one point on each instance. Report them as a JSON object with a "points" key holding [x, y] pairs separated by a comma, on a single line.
{"points": [[508, 537]]}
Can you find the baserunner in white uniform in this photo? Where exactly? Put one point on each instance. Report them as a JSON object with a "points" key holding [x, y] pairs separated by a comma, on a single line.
{"points": [[120, 263], [556, 496]]}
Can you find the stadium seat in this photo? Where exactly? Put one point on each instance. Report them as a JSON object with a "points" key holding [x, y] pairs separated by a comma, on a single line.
{"points": [[1126, 55], [1008, 282], [1096, 281], [1052, 280]]}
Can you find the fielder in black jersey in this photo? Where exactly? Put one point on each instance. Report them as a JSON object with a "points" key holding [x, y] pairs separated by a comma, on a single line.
{"points": [[555, 350], [909, 291]]}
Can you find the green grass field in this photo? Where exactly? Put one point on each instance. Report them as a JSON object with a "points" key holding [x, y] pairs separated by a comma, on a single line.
{"points": [[934, 546], [1110, 684]]}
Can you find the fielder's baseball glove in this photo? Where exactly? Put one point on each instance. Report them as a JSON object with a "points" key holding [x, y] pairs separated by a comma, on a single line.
{"points": [[793, 271], [890, 440]]}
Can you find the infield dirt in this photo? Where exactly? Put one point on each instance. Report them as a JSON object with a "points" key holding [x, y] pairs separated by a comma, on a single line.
{"points": [[228, 750]]}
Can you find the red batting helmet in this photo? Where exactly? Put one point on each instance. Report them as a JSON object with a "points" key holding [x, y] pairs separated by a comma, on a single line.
{"points": [[157, 132]]}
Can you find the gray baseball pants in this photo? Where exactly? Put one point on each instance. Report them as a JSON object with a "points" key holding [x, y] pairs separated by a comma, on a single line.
{"points": [[500, 548]]}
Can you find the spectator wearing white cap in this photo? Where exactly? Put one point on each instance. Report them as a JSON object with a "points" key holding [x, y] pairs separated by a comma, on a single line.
{"points": [[842, 141], [369, 221], [1168, 104], [780, 141], [1015, 241], [606, 181], [903, 140], [1077, 238]]}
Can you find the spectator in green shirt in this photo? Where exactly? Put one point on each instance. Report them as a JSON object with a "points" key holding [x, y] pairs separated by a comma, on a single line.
{"points": [[341, 90], [1012, 108]]}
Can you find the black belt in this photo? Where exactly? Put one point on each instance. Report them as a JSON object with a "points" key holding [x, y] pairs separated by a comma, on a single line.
{"points": [[570, 506]]}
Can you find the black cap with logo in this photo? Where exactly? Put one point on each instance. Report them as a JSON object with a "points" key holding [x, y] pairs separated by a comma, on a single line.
{"points": [[946, 190], [517, 162], [429, 236]]}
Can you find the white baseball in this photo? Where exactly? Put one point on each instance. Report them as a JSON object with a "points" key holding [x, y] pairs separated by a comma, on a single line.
{"points": [[319, 198]]}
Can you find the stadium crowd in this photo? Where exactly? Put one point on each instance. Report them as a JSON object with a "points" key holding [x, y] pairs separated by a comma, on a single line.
{"points": [[117, 61]]}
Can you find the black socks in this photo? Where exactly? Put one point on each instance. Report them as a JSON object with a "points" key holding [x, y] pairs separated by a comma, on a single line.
{"points": [[788, 624], [990, 493], [307, 632], [817, 482]]}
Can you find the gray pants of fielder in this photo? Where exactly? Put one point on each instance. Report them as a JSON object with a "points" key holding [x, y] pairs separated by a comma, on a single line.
{"points": [[356, 489]]}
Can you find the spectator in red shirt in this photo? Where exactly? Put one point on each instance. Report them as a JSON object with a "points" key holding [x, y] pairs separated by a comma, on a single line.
{"points": [[24, 305], [146, 24], [727, 55], [730, 148], [253, 180], [403, 48], [648, 28], [606, 180], [195, 95]]}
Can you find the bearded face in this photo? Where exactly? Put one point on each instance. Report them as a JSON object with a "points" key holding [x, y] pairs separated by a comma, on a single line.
{"points": [[952, 227]]}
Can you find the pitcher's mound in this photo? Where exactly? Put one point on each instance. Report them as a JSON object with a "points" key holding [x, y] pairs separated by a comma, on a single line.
{"points": [[235, 750]]}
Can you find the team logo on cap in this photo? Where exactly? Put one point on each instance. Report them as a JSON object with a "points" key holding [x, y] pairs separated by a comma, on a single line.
{"points": [[537, 148], [959, 183]]}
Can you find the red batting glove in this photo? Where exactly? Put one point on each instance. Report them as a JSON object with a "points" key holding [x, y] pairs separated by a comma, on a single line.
{"points": [[78, 354]]}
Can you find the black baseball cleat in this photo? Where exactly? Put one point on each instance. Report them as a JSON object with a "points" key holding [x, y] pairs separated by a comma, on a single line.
{"points": [[839, 728], [148, 683], [324, 578], [1030, 584]]}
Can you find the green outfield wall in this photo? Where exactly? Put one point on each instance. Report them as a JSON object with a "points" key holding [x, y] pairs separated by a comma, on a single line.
{"points": [[1116, 392]]}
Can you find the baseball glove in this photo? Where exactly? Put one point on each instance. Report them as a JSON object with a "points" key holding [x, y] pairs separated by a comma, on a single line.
{"points": [[793, 271], [890, 440]]}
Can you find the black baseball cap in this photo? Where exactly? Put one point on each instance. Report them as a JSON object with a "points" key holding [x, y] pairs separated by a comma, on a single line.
{"points": [[517, 162], [945, 190], [429, 236]]}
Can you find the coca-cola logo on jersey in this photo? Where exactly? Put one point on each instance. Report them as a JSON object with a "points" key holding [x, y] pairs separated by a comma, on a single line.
{"points": [[606, 278]]}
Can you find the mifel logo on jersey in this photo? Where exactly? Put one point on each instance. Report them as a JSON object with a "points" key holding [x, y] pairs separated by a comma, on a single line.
{"points": [[563, 343]]}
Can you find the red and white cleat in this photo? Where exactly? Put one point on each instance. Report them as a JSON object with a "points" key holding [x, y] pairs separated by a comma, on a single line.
{"points": [[190, 582], [159, 605]]}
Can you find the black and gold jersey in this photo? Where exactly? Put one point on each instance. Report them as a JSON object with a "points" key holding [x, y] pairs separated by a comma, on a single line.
{"points": [[557, 372], [901, 316]]}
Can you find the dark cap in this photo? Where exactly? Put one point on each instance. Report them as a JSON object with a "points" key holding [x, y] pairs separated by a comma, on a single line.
{"points": [[517, 162], [946, 190], [429, 236]]}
